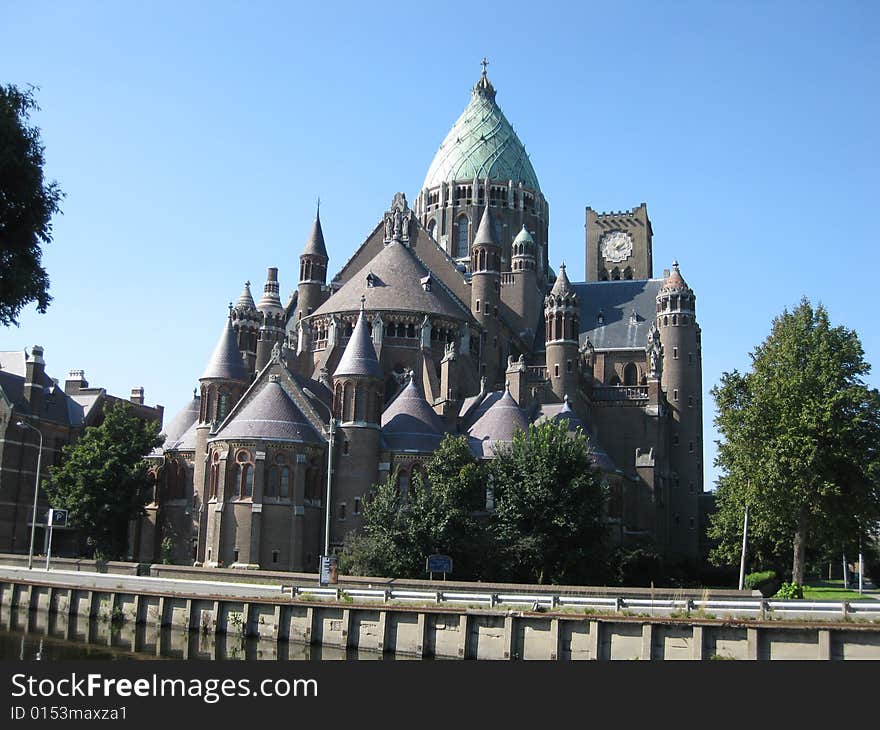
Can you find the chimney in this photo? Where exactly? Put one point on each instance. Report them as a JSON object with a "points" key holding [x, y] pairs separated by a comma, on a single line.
{"points": [[76, 381], [137, 395], [35, 369]]}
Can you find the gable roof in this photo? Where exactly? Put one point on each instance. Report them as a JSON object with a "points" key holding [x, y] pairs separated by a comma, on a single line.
{"points": [[395, 285], [270, 415], [616, 301]]}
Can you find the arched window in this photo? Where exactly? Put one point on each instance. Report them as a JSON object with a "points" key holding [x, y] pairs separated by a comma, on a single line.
{"points": [[223, 405], [615, 274], [272, 483], [630, 374], [347, 398], [461, 237], [403, 483], [496, 229], [628, 273], [360, 404], [283, 476], [432, 229], [215, 477], [244, 475]]}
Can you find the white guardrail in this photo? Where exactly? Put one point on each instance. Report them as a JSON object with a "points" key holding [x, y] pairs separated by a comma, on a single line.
{"points": [[659, 606]]}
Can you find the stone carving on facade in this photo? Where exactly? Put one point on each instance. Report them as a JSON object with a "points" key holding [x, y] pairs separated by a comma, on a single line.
{"points": [[654, 351], [277, 352], [324, 377], [588, 354], [449, 352], [516, 365], [398, 220]]}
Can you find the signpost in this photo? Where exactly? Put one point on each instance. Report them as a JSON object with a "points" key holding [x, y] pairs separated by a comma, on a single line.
{"points": [[54, 517], [438, 564], [329, 570]]}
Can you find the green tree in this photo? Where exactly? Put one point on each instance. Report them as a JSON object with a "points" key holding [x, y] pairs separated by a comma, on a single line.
{"points": [[549, 508], [27, 204], [103, 479], [800, 436], [440, 514]]}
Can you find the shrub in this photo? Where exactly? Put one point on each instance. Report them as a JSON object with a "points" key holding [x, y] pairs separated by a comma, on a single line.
{"points": [[789, 591], [765, 581]]}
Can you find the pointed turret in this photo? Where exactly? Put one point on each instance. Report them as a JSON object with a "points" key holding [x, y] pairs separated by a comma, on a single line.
{"points": [[359, 358], [561, 320], [562, 285], [486, 295], [523, 295], [484, 235], [358, 394], [312, 271], [315, 244], [272, 329], [226, 362], [246, 319], [681, 382]]}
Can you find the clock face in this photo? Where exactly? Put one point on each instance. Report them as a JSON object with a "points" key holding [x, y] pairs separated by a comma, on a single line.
{"points": [[616, 246]]}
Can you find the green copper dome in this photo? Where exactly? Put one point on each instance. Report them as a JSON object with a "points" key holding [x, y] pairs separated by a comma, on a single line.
{"points": [[482, 144]]}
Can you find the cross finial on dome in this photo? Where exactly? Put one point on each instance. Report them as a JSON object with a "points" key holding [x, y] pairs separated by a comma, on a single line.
{"points": [[484, 63], [363, 302]]}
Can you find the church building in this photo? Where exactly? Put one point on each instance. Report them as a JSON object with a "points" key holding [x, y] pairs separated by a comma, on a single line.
{"points": [[447, 319]]}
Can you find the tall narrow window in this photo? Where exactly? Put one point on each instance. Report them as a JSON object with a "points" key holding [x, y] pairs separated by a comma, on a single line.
{"points": [[630, 374], [432, 229], [461, 238]]}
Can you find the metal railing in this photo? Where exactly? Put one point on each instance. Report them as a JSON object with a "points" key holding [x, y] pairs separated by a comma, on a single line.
{"points": [[619, 604]]}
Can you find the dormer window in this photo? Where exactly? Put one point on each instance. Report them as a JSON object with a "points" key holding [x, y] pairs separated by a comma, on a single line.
{"points": [[600, 318], [371, 280], [426, 282]]}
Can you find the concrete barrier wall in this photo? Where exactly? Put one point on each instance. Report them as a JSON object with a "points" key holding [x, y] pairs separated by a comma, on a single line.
{"points": [[191, 626]]}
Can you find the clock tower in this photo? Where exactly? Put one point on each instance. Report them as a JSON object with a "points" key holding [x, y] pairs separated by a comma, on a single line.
{"points": [[619, 245]]}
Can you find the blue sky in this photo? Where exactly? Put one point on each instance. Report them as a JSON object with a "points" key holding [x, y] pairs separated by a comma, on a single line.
{"points": [[192, 140]]}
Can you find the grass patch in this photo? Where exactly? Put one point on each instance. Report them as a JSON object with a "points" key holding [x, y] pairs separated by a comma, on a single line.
{"points": [[833, 593]]}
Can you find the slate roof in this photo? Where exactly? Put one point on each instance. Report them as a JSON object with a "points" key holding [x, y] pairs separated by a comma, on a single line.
{"points": [[226, 362], [315, 244], [396, 276], [56, 405], [564, 412], [270, 415], [562, 285], [481, 144], [410, 424], [497, 425], [186, 418], [616, 301], [245, 299], [484, 233], [359, 357]]}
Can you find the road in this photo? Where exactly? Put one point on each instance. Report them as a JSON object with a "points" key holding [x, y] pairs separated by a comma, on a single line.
{"points": [[141, 584]]}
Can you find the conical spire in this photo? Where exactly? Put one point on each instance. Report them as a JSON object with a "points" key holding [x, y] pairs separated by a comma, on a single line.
{"points": [[359, 357], [245, 299], [675, 279], [562, 285], [226, 362], [315, 245], [271, 301], [484, 232]]}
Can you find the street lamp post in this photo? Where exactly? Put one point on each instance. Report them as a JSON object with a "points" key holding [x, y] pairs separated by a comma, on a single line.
{"points": [[25, 424], [332, 435]]}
